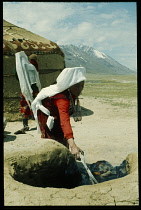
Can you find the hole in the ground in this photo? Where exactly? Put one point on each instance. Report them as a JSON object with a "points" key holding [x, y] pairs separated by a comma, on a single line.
{"points": [[61, 173]]}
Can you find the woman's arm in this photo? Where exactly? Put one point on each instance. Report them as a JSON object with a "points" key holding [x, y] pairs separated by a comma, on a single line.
{"points": [[63, 108], [74, 149]]}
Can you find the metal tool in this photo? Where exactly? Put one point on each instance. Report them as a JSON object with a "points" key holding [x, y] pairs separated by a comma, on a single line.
{"points": [[91, 177]]}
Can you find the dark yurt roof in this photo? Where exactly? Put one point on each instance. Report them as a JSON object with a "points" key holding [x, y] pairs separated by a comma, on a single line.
{"points": [[17, 39]]}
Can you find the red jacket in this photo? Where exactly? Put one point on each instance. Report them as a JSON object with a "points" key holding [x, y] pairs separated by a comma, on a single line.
{"points": [[58, 106], [63, 108]]}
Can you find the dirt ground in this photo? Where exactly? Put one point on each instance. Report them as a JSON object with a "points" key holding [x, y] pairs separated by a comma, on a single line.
{"points": [[106, 132]]}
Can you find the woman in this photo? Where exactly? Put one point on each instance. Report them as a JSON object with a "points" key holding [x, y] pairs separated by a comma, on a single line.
{"points": [[51, 107], [28, 76], [33, 60]]}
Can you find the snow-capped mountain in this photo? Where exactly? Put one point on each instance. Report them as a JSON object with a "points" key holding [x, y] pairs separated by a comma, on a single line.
{"points": [[93, 60]]}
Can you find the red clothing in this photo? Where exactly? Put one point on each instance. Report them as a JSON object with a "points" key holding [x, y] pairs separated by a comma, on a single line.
{"points": [[24, 107], [63, 107], [34, 62], [58, 106]]}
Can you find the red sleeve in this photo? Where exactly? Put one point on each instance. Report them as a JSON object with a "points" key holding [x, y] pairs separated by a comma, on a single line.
{"points": [[35, 64], [63, 107]]}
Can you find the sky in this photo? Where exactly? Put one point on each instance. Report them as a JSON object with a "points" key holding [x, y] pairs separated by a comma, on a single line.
{"points": [[109, 27]]}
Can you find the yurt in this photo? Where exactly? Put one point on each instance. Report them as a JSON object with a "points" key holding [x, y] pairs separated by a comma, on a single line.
{"points": [[50, 61]]}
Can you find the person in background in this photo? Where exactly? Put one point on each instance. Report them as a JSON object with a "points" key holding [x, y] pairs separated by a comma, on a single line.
{"points": [[33, 60], [51, 107], [28, 76]]}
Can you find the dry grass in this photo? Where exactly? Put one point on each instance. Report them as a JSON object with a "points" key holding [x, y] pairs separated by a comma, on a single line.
{"points": [[118, 90]]}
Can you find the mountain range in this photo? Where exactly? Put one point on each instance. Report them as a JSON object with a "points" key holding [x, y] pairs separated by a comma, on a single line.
{"points": [[94, 61]]}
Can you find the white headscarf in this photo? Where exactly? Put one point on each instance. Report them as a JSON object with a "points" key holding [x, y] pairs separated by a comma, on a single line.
{"points": [[67, 78], [27, 75]]}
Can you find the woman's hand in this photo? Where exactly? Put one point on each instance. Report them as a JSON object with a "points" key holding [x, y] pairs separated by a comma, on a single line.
{"points": [[73, 148]]}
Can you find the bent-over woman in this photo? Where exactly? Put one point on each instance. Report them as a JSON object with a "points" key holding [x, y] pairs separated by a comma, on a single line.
{"points": [[52, 111]]}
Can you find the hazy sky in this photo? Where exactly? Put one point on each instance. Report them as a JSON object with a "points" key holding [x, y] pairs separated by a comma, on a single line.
{"points": [[108, 27]]}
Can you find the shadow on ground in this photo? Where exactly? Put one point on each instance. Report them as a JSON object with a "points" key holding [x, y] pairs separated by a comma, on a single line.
{"points": [[8, 137], [86, 112]]}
